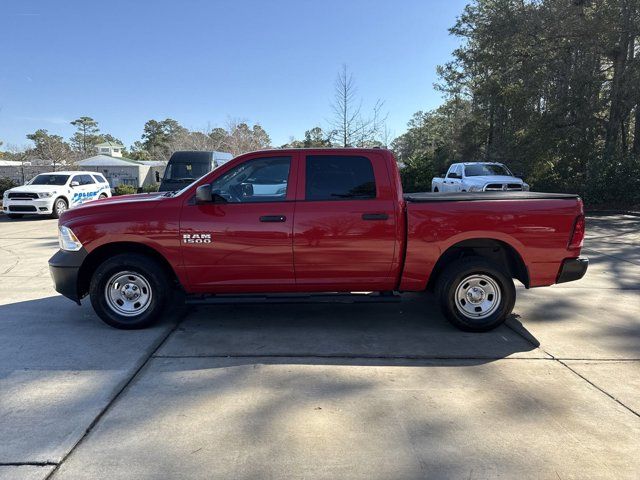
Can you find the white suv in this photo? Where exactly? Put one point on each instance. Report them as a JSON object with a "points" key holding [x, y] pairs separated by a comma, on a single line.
{"points": [[52, 193]]}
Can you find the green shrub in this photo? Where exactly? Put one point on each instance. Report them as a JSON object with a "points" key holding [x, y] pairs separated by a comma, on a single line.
{"points": [[150, 188], [5, 184], [124, 190]]}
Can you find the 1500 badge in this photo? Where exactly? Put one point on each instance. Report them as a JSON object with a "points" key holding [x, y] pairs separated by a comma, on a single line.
{"points": [[196, 237]]}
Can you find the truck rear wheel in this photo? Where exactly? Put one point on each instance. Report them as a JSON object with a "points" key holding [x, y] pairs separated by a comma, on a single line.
{"points": [[476, 295], [128, 291]]}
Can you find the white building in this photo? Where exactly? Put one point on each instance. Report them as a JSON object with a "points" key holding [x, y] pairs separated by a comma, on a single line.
{"points": [[110, 148], [124, 171]]}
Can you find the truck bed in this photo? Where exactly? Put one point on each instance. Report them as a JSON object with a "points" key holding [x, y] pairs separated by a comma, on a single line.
{"points": [[426, 197]]}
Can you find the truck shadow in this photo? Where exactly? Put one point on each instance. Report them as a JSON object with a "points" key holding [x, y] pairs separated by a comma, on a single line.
{"points": [[413, 329], [53, 327]]}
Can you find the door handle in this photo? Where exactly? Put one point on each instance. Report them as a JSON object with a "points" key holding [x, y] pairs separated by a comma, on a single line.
{"points": [[273, 218], [375, 216]]}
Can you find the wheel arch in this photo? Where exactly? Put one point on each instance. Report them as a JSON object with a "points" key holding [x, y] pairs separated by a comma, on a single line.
{"points": [[497, 251], [63, 197], [101, 253]]}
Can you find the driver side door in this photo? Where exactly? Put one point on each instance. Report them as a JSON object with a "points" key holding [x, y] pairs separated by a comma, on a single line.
{"points": [[243, 242], [453, 179]]}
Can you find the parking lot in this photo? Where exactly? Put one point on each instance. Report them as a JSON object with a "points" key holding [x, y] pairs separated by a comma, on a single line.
{"points": [[323, 391]]}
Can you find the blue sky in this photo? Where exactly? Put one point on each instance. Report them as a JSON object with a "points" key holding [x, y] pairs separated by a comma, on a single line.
{"points": [[204, 62]]}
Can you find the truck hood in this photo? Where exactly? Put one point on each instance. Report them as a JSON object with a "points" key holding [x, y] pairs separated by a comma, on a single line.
{"points": [[114, 204], [482, 179]]}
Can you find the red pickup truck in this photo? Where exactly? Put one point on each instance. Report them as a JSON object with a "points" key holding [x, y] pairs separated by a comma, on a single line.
{"points": [[315, 225]]}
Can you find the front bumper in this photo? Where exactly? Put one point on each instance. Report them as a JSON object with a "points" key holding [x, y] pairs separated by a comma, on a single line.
{"points": [[65, 268], [41, 206], [572, 269]]}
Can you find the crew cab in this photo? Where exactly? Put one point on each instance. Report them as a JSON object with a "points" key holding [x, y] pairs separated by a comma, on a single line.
{"points": [[315, 225], [52, 193], [478, 177]]}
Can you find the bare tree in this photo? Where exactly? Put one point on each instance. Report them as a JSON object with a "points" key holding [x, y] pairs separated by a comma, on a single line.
{"points": [[51, 148], [349, 127], [20, 154], [242, 138]]}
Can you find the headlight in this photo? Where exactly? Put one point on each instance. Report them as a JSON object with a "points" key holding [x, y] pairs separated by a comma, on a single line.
{"points": [[46, 194], [68, 240], [525, 187], [475, 188]]}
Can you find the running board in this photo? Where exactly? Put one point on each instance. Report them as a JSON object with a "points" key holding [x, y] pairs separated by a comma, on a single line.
{"points": [[294, 298]]}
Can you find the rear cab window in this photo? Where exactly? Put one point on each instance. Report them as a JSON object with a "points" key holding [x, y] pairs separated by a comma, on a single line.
{"points": [[339, 177]]}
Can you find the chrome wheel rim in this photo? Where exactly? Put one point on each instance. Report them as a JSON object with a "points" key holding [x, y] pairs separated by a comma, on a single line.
{"points": [[477, 296], [60, 207], [128, 293]]}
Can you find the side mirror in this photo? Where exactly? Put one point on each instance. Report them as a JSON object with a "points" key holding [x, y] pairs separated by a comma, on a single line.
{"points": [[203, 194], [74, 184], [247, 189]]}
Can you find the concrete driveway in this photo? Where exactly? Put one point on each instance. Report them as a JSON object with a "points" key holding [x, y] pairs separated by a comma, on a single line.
{"points": [[323, 391]]}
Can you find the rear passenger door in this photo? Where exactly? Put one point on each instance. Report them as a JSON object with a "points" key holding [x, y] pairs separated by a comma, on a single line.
{"points": [[345, 223]]}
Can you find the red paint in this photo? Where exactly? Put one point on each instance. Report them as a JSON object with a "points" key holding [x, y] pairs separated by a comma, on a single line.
{"points": [[326, 245]]}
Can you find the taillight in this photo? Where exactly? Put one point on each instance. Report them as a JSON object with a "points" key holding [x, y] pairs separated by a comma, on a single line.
{"points": [[577, 236]]}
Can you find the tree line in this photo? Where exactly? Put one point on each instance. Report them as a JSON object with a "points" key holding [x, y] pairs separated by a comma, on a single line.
{"points": [[549, 87]]}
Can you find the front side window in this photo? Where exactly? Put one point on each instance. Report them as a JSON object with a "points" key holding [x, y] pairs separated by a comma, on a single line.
{"points": [[257, 180], [339, 177], [453, 172], [45, 179]]}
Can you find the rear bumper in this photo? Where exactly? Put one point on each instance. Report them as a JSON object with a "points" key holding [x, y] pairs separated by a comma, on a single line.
{"points": [[572, 269], [64, 268]]}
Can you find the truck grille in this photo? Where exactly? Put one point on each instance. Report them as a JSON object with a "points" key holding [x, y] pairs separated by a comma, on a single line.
{"points": [[502, 187], [22, 208], [23, 196]]}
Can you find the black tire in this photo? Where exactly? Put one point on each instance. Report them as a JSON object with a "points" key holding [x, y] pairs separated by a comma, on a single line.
{"points": [[55, 211], [463, 279], [14, 216], [102, 195], [132, 268]]}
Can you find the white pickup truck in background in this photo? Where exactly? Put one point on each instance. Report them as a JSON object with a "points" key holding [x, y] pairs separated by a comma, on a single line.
{"points": [[478, 177]]}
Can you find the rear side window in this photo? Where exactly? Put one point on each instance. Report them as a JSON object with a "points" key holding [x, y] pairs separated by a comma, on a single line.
{"points": [[335, 177], [99, 179]]}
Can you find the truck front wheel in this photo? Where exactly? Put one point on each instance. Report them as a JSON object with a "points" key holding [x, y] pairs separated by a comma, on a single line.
{"points": [[476, 295], [128, 291]]}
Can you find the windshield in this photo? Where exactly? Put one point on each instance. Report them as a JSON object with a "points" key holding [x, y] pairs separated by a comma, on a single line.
{"points": [[45, 179], [186, 171], [175, 193], [486, 169]]}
